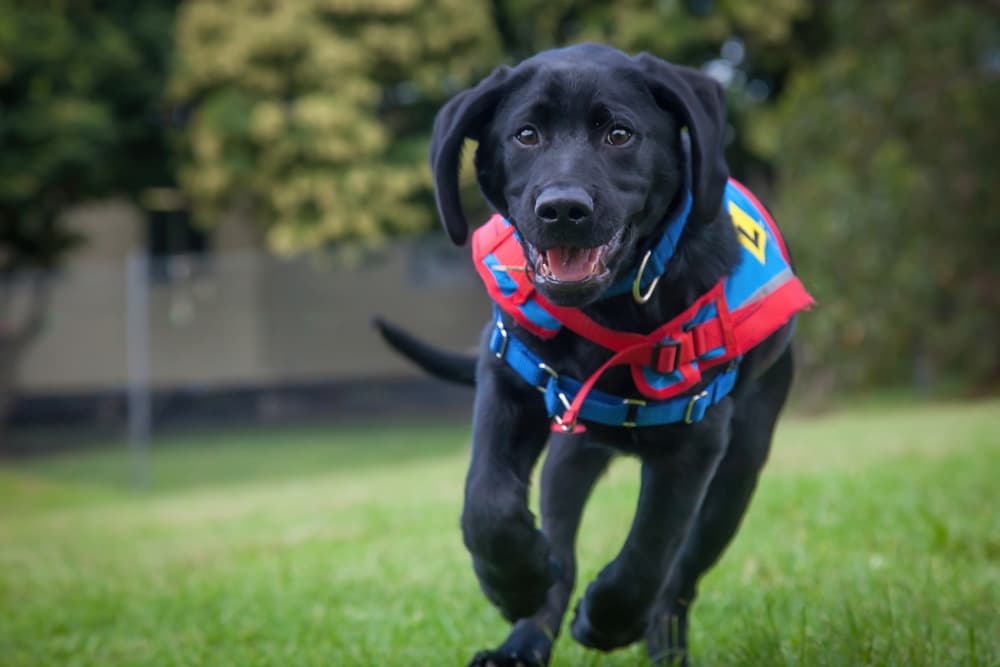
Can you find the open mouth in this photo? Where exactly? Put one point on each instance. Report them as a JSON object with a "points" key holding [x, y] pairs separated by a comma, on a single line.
{"points": [[568, 265]]}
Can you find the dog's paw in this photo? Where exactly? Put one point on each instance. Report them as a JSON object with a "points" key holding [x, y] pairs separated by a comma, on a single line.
{"points": [[605, 633], [516, 594], [500, 658]]}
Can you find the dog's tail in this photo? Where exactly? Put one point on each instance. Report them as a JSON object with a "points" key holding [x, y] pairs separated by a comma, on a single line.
{"points": [[450, 366]]}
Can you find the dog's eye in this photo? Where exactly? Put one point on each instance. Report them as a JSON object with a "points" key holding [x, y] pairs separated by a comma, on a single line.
{"points": [[527, 136], [618, 136]]}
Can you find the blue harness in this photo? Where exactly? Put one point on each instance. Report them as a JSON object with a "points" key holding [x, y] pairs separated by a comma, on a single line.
{"points": [[757, 298], [560, 390]]}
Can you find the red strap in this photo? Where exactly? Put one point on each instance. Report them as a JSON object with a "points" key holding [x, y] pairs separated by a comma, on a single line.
{"points": [[639, 350], [753, 324], [496, 238], [577, 322], [490, 236], [567, 422], [758, 320]]}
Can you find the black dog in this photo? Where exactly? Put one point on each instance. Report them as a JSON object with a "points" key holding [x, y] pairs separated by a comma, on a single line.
{"points": [[589, 153]]}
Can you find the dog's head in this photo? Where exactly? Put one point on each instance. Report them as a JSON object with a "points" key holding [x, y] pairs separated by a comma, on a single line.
{"points": [[581, 149]]}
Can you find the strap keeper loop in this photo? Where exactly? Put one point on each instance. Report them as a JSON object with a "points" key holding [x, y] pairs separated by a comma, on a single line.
{"points": [[689, 415], [631, 418], [656, 356]]}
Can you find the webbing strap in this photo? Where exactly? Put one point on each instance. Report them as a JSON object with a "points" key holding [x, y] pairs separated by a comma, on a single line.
{"points": [[568, 400], [660, 254]]}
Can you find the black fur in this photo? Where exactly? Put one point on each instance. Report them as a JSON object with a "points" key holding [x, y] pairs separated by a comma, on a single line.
{"points": [[445, 365], [696, 479]]}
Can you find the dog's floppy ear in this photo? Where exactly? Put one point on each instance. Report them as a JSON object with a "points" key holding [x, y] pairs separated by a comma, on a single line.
{"points": [[700, 103], [464, 116]]}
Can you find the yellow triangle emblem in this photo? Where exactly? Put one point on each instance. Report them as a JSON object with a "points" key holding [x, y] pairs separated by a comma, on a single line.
{"points": [[750, 233]]}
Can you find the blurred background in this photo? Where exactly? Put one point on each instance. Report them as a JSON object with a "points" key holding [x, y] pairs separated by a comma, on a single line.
{"points": [[202, 204], [207, 457]]}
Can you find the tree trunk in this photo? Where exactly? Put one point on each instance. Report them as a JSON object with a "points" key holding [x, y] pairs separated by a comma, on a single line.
{"points": [[16, 337]]}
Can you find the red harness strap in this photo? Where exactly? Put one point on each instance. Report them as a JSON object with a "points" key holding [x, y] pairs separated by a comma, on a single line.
{"points": [[677, 346], [737, 333], [638, 350], [495, 239]]}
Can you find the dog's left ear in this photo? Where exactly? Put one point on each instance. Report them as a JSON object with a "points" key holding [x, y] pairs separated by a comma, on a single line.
{"points": [[700, 103], [465, 116]]}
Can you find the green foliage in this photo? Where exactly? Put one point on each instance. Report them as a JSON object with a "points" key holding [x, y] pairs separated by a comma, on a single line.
{"points": [[683, 31], [886, 148], [772, 34], [79, 84], [319, 109], [79, 88]]}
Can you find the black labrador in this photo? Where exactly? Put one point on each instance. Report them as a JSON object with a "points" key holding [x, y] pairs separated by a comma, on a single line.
{"points": [[588, 148]]}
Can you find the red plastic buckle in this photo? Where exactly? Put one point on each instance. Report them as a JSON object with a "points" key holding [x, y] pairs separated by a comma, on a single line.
{"points": [[659, 355]]}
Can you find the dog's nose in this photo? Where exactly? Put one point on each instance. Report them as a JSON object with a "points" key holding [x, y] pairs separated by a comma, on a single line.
{"points": [[565, 204]]}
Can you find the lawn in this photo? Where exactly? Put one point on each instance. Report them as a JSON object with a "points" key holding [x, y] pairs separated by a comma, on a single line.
{"points": [[874, 539]]}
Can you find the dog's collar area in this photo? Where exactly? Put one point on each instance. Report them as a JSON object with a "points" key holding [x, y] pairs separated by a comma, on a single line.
{"points": [[643, 282], [654, 260], [568, 401]]}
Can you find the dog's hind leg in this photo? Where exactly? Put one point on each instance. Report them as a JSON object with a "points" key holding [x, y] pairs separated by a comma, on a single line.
{"points": [[571, 468], [728, 496]]}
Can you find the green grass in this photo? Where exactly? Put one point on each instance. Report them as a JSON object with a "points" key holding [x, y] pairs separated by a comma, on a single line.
{"points": [[874, 539]]}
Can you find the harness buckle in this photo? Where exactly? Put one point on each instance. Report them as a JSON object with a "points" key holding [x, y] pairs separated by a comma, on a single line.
{"points": [[690, 407], [633, 411], [568, 426], [552, 373], [506, 339], [655, 354], [565, 427]]}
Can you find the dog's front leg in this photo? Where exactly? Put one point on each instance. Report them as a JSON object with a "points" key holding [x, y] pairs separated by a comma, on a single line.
{"points": [[676, 473], [509, 554]]}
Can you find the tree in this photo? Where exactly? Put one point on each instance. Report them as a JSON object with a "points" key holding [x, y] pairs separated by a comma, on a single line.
{"points": [[318, 110], [80, 84], [886, 146]]}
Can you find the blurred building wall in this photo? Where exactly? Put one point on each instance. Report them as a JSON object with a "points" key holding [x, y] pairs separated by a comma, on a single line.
{"points": [[240, 316]]}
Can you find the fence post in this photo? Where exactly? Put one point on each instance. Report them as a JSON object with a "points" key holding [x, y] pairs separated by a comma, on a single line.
{"points": [[139, 400]]}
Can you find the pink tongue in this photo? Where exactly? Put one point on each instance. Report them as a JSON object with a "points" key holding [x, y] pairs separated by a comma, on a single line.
{"points": [[571, 264]]}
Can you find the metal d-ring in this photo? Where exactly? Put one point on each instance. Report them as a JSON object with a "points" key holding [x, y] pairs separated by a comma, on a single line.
{"points": [[636, 285]]}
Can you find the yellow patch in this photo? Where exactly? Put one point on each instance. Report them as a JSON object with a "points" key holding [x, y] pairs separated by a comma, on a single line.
{"points": [[749, 231]]}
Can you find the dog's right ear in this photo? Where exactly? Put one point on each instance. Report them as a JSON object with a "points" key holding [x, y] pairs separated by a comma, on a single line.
{"points": [[700, 103], [465, 116]]}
